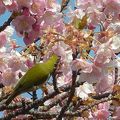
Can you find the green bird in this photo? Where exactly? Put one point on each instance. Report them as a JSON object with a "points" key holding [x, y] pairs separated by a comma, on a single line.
{"points": [[35, 76]]}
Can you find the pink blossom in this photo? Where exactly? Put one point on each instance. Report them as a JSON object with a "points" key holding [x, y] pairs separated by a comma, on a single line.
{"points": [[23, 23], [92, 77], [2, 7], [102, 37], [26, 12], [27, 40], [3, 39], [91, 26], [49, 17], [59, 26], [59, 50], [24, 3], [14, 63], [13, 6], [114, 27], [87, 4], [103, 55], [105, 84], [112, 8], [13, 44], [97, 16], [81, 64], [29, 63], [3, 64], [64, 79], [38, 7], [115, 43], [33, 35], [8, 77], [50, 3], [103, 111], [117, 113], [36, 27]]}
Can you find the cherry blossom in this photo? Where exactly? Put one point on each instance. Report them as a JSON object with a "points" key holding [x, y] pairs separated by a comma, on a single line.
{"points": [[2, 8], [102, 112], [8, 77], [115, 45], [38, 7], [115, 27], [22, 3], [23, 26], [3, 39], [14, 63], [105, 84], [84, 90], [13, 6], [117, 113], [103, 55], [81, 64], [94, 76]]}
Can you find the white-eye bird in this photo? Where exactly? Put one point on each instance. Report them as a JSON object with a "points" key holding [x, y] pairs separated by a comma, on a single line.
{"points": [[35, 76]]}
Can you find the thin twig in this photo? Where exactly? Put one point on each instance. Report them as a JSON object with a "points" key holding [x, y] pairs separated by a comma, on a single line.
{"points": [[98, 97]]}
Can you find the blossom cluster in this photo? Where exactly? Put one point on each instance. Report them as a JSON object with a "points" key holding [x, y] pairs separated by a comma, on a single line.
{"points": [[35, 16]]}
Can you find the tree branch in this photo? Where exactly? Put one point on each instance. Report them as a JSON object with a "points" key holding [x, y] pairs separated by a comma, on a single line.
{"points": [[50, 115]]}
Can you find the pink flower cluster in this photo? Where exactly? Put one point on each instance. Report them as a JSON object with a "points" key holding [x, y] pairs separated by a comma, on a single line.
{"points": [[36, 16], [104, 11], [11, 64]]}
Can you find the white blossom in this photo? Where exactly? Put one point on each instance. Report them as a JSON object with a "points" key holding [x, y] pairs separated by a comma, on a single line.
{"points": [[115, 43], [84, 90]]}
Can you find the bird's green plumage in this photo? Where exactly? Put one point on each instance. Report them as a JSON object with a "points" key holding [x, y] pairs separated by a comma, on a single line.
{"points": [[35, 76]]}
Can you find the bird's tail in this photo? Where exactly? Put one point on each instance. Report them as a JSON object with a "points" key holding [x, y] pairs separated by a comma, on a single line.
{"points": [[10, 98]]}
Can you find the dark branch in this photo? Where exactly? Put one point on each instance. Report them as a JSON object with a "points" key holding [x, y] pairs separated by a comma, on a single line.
{"points": [[98, 97]]}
